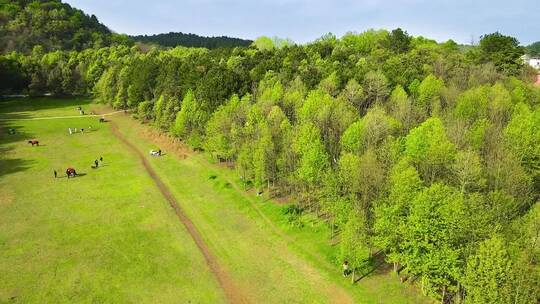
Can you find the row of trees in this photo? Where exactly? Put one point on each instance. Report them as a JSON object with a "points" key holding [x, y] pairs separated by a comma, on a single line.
{"points": [[421, 150], [174, 39]]}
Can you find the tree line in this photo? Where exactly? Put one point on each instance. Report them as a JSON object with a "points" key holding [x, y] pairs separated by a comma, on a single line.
{"points": [[173, 39], [422, 150]]}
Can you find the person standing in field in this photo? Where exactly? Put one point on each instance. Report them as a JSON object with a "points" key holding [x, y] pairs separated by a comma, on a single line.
{"points": [[96, 163], [55, 174], [345, 268]]}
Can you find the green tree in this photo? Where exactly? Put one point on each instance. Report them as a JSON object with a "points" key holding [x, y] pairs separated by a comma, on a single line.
{"points": [[190, 120], [468, 171], [376, 88], [429, 92], [522, 135], [488, 273], [331, 115], [351, 245], [428, 148], [224, 129], [313, 161], [503, 51], [392, 212], [533, 49], [331, 84], [264, 43], [369, 132], [433, 238], [401, 108], [354, 93], [398, 41]]}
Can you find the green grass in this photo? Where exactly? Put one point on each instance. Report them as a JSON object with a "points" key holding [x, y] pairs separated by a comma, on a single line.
{"points": [[109, 236]]}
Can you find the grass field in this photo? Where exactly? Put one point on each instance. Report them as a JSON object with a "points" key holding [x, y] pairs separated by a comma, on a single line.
{"points": [[111, 236]]}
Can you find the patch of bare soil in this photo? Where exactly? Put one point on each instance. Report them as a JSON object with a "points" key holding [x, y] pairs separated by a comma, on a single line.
{"points": [[167, 143], [6, 198]]}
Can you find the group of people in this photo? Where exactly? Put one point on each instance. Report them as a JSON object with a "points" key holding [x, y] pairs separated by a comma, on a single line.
{"points": [[155, 153], [70, 172], [75, 130], [96, 162]]}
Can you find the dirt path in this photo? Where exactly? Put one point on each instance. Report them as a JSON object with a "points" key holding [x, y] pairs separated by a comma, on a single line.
{"points": [[231, 291], [340, 295], [62, 117]]}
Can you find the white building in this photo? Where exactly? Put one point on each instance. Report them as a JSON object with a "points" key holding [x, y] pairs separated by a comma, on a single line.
{"points": [[532, 61]]}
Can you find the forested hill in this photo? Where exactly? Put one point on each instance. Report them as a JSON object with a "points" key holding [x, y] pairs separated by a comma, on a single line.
{"points": [[173, 39], [51, 24]]}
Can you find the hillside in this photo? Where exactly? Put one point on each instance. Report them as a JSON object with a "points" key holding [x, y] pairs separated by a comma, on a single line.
{"points": [[173, 39], [51, 24]]}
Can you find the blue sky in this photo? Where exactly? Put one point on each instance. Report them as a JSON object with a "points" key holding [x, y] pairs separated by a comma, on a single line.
{"points": [[304, 20]]}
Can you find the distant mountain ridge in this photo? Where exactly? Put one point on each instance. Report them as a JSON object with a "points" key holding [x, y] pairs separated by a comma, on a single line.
{"points": [[173, 39]]}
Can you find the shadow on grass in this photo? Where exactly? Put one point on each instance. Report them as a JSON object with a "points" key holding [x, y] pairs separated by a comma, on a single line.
{"points": [[19, 136], [39, 103], [71, 177], [14, 165], [377, 265]]}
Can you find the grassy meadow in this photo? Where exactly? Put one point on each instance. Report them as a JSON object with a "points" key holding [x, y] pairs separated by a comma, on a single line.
{"points": [[110, 236], [105, 237]]}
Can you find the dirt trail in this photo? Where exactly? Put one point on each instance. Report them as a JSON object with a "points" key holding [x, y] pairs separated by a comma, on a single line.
{"points": [[231, 291], [340, 295], [61, 117]]}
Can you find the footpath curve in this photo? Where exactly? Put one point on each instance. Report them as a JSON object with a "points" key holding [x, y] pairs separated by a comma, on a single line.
{"points": [[232, 293]]}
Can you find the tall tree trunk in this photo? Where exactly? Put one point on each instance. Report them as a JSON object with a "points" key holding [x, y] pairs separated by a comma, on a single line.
{"points": [[353, 277], [443, 294], [395, 267]]}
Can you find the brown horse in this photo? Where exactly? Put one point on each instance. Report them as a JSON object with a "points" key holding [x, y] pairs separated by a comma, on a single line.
{"points": [[34, 142], [70, 172]]}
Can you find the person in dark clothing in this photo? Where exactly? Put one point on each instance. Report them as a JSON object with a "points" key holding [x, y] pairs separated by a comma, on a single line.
{"points": [[159, 152], [55, 174], [101, 158], [96, 163]]}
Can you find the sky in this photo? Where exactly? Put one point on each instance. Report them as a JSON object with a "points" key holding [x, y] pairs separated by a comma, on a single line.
{"points": [[303, 21]]}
